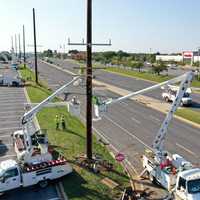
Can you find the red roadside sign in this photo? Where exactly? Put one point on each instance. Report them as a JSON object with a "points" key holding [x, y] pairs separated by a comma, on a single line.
{"points": [[120, 157]]}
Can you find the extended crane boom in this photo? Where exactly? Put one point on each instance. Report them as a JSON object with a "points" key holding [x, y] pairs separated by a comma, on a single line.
{"points": [[185, 80], [29, 115]]}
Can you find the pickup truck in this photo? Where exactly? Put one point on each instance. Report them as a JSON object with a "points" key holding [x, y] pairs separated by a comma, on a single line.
{"points": [[169, 95], [14, 175]]}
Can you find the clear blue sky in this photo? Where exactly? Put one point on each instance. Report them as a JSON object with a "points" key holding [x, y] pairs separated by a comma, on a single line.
{"points": [[133, 25]]}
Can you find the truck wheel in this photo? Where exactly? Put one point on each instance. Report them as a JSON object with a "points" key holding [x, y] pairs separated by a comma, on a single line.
{"points": [[166, 99], [152, 179], [43, 183]]}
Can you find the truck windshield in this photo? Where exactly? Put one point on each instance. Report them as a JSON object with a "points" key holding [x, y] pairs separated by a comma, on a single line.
{"points": [[186, 95], [194, 186]]}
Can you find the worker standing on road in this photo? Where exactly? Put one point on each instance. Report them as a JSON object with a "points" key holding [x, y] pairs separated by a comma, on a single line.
{"points": [[57, 122], [63, 122]]}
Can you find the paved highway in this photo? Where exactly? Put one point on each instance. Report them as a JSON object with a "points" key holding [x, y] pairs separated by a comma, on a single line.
{"points": [[12, 101], [131, 84], [130, 126], [136, 121]]}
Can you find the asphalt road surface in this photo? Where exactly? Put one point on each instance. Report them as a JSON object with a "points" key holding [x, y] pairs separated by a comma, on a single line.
{"points": [[131, 84], [12, 101], [129, 126]]}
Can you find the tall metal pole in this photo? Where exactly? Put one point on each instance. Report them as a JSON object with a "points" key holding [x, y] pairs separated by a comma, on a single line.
{"points": [[19, 47], [35, 47], [89, 80], [24, 47], [15, 45]]}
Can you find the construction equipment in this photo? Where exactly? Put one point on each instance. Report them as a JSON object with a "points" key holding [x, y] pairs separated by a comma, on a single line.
{"points": [[14, 175], [32, 146], [173, 172], [169, 95]]}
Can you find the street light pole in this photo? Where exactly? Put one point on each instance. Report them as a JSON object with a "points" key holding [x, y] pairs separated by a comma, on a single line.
{"points": [[19, 48], [24, 45], [35, 47]]}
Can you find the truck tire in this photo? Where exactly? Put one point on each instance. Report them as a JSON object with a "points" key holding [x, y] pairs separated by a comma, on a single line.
{"points": [[166, 99], [43, 183], [152, 179]]}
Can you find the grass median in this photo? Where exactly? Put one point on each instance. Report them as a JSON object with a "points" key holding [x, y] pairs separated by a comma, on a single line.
{"points": [[145, 75], [82, 184], [189, 114]]}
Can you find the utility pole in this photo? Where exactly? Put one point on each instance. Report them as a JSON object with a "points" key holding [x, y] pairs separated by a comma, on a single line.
{"points": [[89, 79], [35, 47], [88, 45], [19, 47], [24, 47], [16, 45]]}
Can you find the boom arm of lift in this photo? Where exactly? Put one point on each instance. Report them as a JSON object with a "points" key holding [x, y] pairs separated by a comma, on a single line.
{"points": [[30, 114], [185, 80]]}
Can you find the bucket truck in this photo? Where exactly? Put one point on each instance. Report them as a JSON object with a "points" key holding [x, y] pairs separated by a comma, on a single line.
{"points": [[32, 146], [173, 172], [35, 165]]}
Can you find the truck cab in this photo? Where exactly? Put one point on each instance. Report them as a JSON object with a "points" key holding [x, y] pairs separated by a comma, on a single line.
{"points": [[188, 185], [10, 177], [169, 95]]}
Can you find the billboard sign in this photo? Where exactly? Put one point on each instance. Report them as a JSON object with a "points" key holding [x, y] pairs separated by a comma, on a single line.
{"points": [[187, 54]]}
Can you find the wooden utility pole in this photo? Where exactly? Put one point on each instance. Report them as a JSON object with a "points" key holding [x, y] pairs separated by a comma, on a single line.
{"points": [[24, 47], [89, 45], [35, 47]]}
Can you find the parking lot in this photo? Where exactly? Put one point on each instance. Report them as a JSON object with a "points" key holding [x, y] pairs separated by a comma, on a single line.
{"points": [[11, 109], [12, 101]]}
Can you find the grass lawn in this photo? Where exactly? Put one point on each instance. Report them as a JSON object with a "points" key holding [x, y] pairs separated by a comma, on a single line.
{"points": [[146, 75], [81, 184], [189, 114]]}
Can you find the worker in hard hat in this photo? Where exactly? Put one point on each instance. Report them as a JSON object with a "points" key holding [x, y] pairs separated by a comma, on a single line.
{"points": [[62, 119], [57, 122]]}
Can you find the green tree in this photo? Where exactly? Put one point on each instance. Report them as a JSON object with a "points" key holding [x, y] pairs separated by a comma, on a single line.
{"points": [[48, 53], [159, 67]]}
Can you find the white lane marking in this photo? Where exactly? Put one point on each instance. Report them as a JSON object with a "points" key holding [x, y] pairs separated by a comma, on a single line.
{"points": [[123, 104], [186, 149], [12, 112], [154, 118], [13, 104], [7, 156], [14, 121], [130, 134], [10, 128], [135, 120], [6, 135]]}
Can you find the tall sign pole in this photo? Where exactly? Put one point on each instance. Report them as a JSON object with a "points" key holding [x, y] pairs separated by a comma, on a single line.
{"points": [[35, 47], [24, 47]]}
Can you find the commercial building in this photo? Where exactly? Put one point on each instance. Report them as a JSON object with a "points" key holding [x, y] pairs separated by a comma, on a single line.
{"points": [[185, 56]]}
